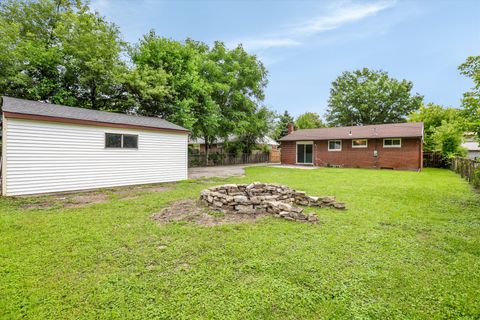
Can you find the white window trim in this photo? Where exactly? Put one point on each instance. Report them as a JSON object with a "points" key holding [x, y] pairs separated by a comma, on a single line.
{"points": [[296, 151], [341, 144], [399, 146], [365, 146]]}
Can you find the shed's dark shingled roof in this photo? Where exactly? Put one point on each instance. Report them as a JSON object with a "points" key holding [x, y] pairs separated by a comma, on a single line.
{"points": [[393, 130], [22, 106]]}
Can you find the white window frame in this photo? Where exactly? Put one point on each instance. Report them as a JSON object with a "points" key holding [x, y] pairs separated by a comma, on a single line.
{"points": [[362, 146], [296, 151], [392, 146], [341, 144]]}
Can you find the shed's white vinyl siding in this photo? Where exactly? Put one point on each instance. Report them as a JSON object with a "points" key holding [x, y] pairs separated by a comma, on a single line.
{"points": [[46, 157]]}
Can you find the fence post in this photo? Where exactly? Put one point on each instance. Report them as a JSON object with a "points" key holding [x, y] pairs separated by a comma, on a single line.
{"points": [[467, 168]]}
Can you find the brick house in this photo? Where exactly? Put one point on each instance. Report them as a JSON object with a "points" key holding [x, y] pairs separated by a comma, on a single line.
{"points": [[383, 146]]}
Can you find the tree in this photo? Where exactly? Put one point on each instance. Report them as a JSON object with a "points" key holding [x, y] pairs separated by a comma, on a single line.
{"points": [[238, 81], [215, 91], [257, 127], [183, 94], [432, 116], [309, 120], [91, 49], [366, 96], [471, 99], [59, 51], [281, 129], [447, 138]]}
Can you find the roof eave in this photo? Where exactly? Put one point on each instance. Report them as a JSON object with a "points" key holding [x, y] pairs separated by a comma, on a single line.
{"points": [[27, 116], [349, 138]]}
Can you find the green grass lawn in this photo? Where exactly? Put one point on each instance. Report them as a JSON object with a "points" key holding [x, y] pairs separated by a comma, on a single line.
{"points": [[408, 246]]}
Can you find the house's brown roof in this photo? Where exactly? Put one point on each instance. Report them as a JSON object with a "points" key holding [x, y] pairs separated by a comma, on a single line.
{"points": [[393, 130], [21, 108]]}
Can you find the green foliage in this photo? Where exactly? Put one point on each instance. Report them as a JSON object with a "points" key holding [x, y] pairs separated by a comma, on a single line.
{"points": [[366, 96], [471, 99], [215, 91], [447, 139], [407, 247], [256, 127], [309, 120], [59, 51], [432, 116], [476, 178], [281, 128]]}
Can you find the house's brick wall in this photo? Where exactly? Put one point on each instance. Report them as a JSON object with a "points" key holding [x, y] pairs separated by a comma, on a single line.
{"points": [[288, 152], [408, 157]]}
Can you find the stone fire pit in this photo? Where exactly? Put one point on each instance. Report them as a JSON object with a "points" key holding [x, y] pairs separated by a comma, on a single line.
{"points": [[261, 198]]}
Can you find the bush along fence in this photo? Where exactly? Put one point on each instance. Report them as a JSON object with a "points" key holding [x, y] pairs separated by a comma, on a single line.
{"points": [[225, 159], [468, 169], [435, 160]]}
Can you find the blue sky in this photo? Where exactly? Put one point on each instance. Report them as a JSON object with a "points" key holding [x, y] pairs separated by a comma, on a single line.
{"points": [[305, 45]]}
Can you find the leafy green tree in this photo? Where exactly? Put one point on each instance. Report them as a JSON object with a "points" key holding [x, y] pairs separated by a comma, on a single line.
{"points": [[281, 129], [59, 51], [171, 83], [432, 116], [91, 50], [366, 96], [215, 91], [257, 127], [471, 99], [309, 120], [238, 80], [447, 138]]}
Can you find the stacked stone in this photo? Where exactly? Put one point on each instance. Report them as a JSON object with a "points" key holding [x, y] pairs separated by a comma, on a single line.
{"points": [[260, 198]]}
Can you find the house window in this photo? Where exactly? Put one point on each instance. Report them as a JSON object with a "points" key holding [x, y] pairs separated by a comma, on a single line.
{"points": [[360, 143], [334, 145], [392, 143], [118, 141]]}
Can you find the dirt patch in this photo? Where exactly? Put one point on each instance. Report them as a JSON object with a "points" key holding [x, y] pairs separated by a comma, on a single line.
{"points": [[159, 189], [133, 192], [86, 199], [195, 212], [38, 205]]}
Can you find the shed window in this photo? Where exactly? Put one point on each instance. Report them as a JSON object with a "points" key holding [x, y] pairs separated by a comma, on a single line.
{"points": [[125, 141], [130, 141], [334, 145], [392, 143], [360, 143], [113, 140]]}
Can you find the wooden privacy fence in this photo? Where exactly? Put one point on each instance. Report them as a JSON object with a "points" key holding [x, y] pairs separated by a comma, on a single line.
{"points": [[225, 159], [275, 156], [468, 169]]}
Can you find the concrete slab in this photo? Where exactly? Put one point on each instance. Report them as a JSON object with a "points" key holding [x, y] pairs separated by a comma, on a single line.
{"points": [[219, 171]]}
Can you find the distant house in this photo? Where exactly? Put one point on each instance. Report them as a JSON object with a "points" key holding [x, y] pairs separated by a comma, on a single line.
{"points": [[471, 145], [219, 145], [53, 148], [392, 146]]}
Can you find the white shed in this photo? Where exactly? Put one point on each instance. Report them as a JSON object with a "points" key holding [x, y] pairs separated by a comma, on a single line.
{"points": [[52, 148]]}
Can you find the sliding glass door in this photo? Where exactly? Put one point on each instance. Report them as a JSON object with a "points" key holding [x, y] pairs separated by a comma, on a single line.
{"points": [[304, 153]]}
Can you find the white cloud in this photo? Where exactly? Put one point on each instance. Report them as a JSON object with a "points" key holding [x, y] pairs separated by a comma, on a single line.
{"points": [[337, 15]]}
